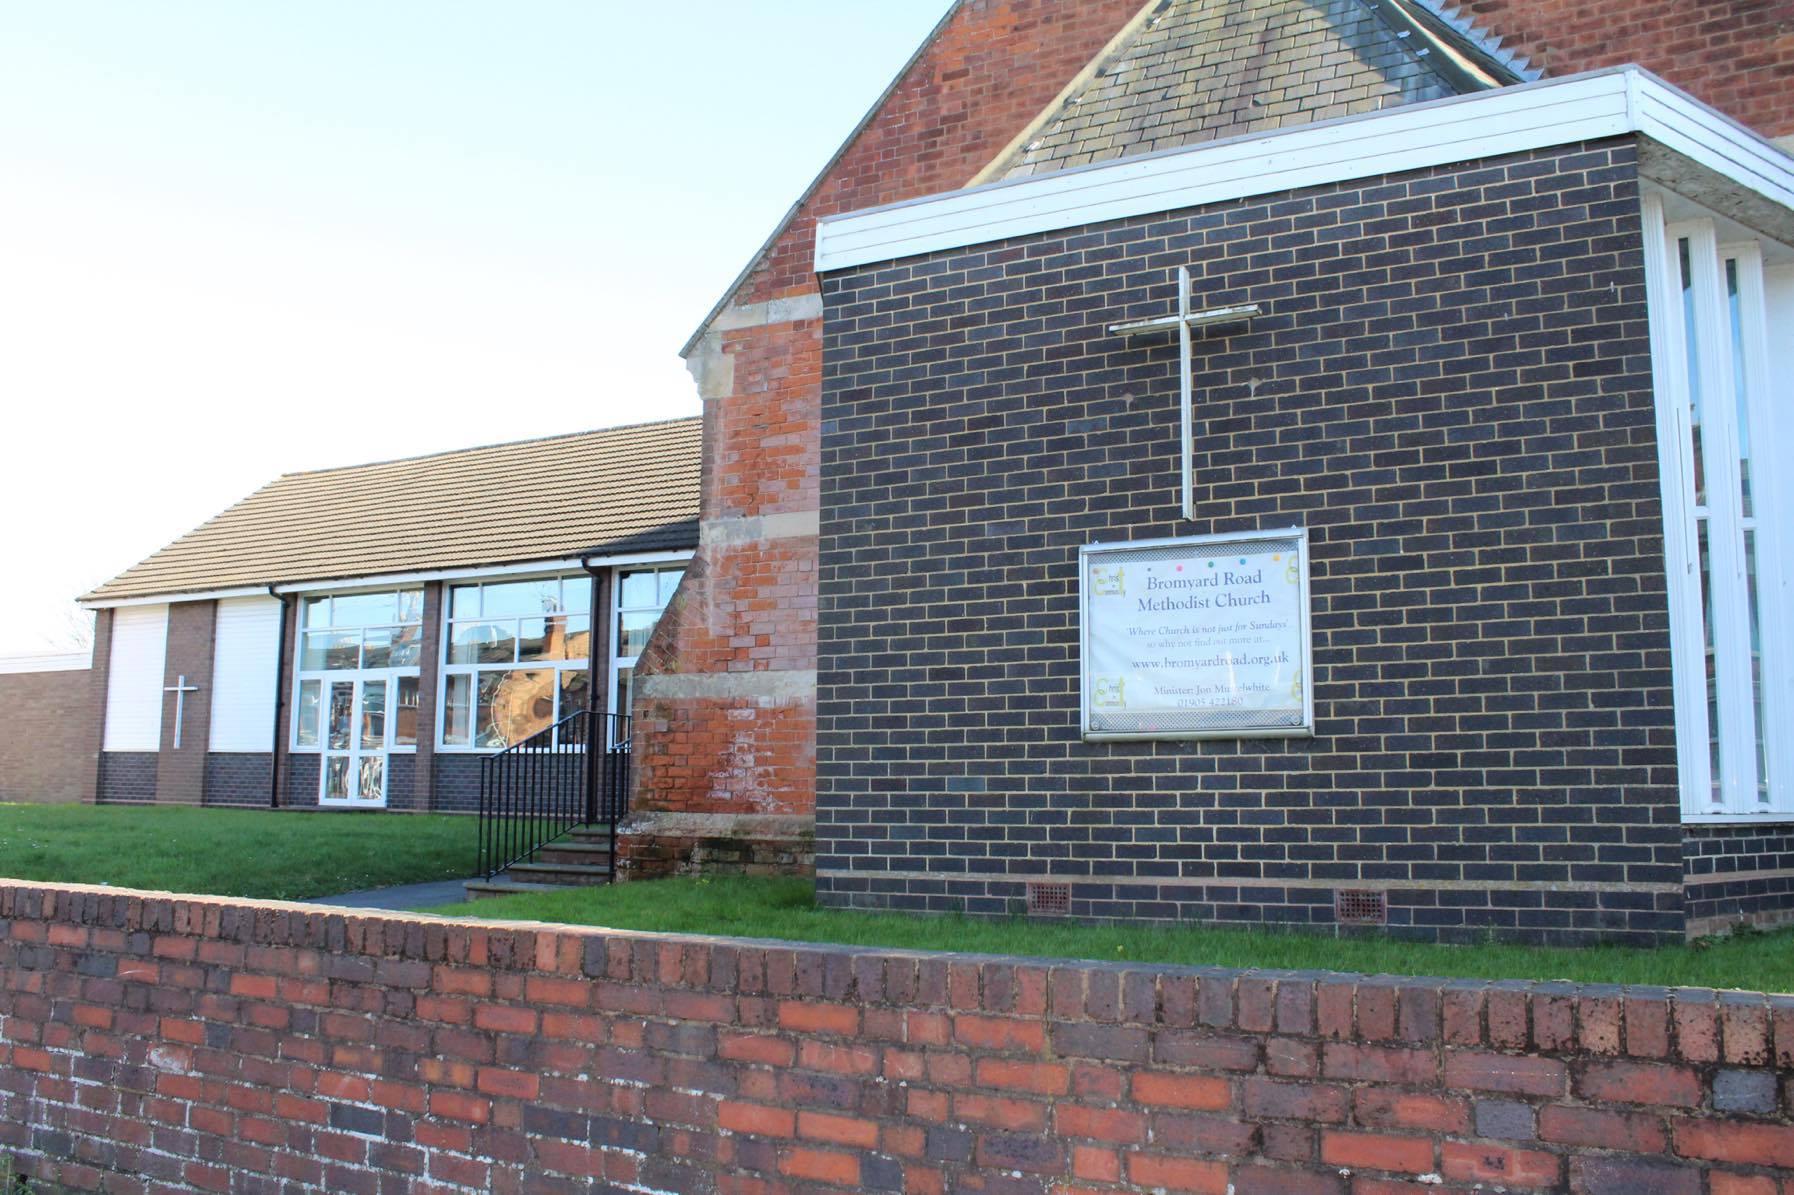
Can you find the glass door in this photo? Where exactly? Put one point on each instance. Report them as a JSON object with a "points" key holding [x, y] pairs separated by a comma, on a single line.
{"points": [[354, 761]]}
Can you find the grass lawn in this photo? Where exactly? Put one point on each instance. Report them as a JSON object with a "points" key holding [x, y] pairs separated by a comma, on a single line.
{"points": [[232, 852], [786, 908]]}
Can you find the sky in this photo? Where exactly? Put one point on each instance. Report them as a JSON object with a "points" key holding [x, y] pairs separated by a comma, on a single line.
{"points": [[239, 240]]}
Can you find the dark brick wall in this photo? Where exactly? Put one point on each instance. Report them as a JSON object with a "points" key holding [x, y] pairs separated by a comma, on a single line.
{"points": [[301, 786], [457, 787], [1738, 874], [238, 778], [1449, 388], [48, 751], [155, 1044], [401, 789], [128, 775]]}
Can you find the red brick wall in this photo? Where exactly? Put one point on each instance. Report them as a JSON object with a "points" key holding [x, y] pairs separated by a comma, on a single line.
{"points": [[990, 71], [49, 752], [750, 606], [155, 1043], [1737, 55]]}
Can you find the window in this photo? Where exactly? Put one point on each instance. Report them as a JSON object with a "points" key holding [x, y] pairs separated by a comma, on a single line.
{"points": [[641, 595], [516, 658], [369, 643], [1720, 297]]}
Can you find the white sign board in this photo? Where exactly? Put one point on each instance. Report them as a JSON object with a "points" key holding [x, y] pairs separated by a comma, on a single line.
{"points": [[1202, 637]]}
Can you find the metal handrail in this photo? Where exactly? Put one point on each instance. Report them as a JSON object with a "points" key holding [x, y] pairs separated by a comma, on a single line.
{"points": [[537, 790]]}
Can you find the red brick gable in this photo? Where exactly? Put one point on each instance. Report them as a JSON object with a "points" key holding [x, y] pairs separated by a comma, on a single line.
{"points": [[991, 67], [1737, 55]]}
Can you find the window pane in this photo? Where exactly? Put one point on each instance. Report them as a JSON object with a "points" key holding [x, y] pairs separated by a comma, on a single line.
{"points": [[516, 599], [373, 713], [1694, 371], [404, 712], [576, 594], [532, 639], [317, 612], [639, 592], [371, 783], [311, 693], [464, 601], [457, 711], [1712, 657], [625, 691], [407, 646], [554, 638], [576, 691], [411, 605], [669, 581], [482, 642], [336, 776], [513, 706], [364, 609], [1756, 668], [632, 636], [331, 650], [571, 637], [341, 714], [376, 648]]}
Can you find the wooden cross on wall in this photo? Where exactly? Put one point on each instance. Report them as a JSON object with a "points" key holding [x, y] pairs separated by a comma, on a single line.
{"points": [[1183, 321]]}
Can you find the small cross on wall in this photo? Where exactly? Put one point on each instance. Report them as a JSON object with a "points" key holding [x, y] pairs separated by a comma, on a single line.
{"points": [[180, 689]]}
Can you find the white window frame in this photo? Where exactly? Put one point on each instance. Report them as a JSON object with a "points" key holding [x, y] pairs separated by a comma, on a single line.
{"points": [[1766, 300], [325, 676], [618, 661], [445, 669]]}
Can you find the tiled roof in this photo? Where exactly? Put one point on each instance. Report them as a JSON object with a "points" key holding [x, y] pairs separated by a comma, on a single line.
{"points": [[1201, 70], [621, 489]]}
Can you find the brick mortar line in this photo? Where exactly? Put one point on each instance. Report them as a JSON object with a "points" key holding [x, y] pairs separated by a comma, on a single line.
{"points": [[1224, 882]]}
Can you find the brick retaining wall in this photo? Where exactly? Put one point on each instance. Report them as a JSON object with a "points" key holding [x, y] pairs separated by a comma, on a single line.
{"points": [[158, 1043]]}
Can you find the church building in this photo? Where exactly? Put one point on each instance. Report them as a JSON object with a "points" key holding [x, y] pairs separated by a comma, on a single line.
{"points": [[1278, 461], [360, 638]]}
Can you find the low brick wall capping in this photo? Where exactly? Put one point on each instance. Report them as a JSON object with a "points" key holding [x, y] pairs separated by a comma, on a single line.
{"points": [[151, 1042]]}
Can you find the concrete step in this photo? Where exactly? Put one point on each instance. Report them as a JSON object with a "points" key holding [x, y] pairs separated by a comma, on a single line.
{"points": [[590, 854], [588, 833], [563, 874]]}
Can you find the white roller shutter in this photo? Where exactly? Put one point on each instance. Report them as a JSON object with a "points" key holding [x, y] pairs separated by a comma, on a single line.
{"points": [[244, 655], [134, 678]]}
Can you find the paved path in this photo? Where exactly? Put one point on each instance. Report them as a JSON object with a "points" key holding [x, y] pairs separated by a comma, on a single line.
{"points": [[402, 897]]}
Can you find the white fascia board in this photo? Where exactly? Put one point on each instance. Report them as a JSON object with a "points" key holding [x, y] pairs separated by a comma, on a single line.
{"points": [[628, 558], [1679, 122], [569, 565], [442, 574], [1463, 128], [163, 599]]}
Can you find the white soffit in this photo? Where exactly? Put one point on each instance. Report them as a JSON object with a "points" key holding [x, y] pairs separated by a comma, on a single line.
{"points": [[1466, 128]]}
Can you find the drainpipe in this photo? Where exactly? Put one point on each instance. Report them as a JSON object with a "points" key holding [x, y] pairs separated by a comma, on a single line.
{"points": [[595, 699], [280, 693]]}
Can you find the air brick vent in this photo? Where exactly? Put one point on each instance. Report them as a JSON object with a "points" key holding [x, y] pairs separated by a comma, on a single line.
{"points": [[1359, 906], [1049, 900]]}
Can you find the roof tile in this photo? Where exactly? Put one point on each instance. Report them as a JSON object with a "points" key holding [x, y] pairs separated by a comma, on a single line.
{"points": [[617, 489]]}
